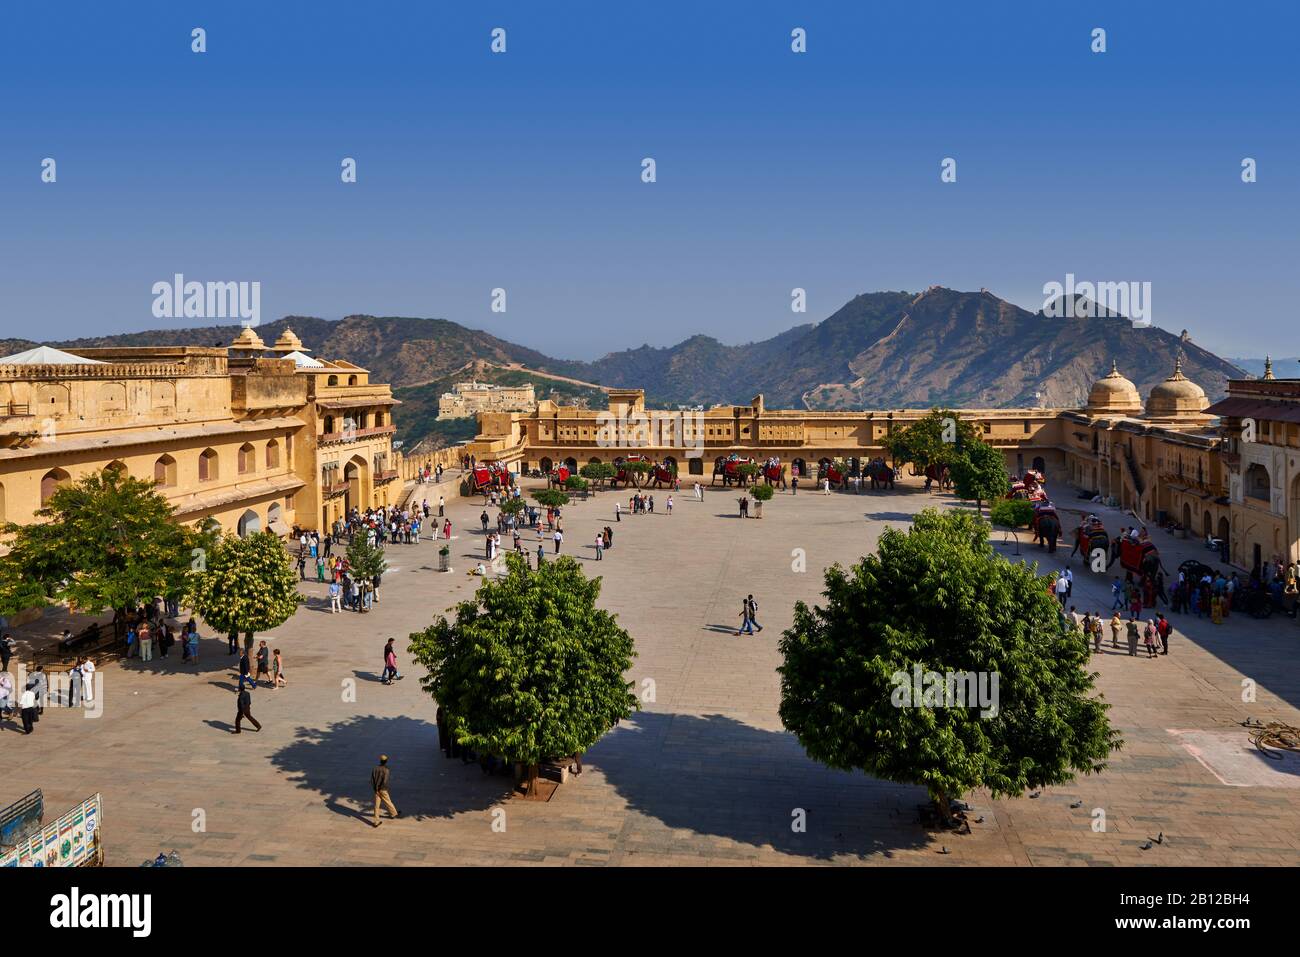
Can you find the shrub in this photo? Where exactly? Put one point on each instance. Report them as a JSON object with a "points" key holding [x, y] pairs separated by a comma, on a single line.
{"points": [[1011, 513]]}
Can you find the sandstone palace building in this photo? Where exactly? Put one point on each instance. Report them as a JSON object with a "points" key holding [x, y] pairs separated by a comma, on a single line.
{"points": [[467, 399], [249, 436], [268, 437], [1170, 457]]}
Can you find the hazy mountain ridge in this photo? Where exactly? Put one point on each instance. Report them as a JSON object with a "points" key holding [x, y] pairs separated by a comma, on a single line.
{"points": [[879, 350]]}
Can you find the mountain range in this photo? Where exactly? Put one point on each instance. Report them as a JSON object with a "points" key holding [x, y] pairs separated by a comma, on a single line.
{"points": [[879, 350]]}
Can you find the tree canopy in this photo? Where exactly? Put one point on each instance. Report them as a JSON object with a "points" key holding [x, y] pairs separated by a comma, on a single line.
{"points": [[108, 541], [597, 471], [935, 600], [530, 669], [365, 560], [937, 438], [550, 497], [1011, 512], [980, 472], [247, 586]]}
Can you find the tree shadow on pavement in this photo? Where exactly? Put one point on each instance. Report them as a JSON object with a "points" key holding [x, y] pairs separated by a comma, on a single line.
{"points": [[335, 762], [714, 775]]}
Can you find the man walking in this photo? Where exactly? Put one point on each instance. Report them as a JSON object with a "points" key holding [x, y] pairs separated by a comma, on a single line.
{"points": [[748, 615], [379, 779], [559, 540], [263, 662], [27, 705], [390, 663], [246, 704]]}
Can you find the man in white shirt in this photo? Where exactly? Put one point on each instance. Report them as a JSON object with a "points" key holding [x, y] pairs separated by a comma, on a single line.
{"points": [[1062, 588], [27, 704], [88, 676], [559, 539]]}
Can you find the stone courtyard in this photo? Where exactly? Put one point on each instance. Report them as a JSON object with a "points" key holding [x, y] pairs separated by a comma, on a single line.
{"points": [[704, 774]]}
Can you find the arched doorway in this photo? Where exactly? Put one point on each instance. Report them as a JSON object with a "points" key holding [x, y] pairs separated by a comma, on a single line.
{"points": [[273, 514], [1223, 530], [1207, 524], [1187, 517], [51, 482], [1256, 483], [1039, 464], [250, 523], [670, 462], [354, 476], [572, 464], [798, 467], [545, 466], [593, 461]]}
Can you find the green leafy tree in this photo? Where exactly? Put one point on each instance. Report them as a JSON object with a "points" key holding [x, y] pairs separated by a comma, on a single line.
{"points": [[108, 541], [550, 497], [248, 586], [512, 506], [598, 472], [575, 483], [762, 493], [1011, 513], [531, 669], [747, 471], [980, 472], [937, 599], [365, 560], [937, 438]]}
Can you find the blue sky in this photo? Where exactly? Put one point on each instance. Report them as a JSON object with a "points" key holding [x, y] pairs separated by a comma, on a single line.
{"points": [[522, 170]]}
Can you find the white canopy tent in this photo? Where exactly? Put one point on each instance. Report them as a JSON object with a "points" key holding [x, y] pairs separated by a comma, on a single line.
{"points": [[47, 356], [304, 361]]}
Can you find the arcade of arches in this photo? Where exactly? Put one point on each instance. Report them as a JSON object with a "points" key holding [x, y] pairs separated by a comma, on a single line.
{"points": [[1171, 459]]}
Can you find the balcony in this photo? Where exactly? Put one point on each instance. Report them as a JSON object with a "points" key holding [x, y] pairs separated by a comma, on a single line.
{"points": [[335, 489], [329, 438], [387, 475]]}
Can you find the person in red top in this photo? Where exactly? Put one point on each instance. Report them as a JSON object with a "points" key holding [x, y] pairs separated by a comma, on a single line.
{"points": [[1163, 628]]}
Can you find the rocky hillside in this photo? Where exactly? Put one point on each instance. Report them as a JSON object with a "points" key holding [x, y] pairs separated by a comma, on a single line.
{"points": [[897, 349], [401, 351], [879, 350]]}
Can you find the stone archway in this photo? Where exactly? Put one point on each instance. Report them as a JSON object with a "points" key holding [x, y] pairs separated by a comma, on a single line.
{"points": [[572, 465], [1187, 517], [250, 523], [354, 473], [545, 466], [798, 467], [1293, 519]]}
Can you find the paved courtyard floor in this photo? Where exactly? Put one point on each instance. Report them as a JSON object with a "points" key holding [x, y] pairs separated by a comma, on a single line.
{"points": [[703, 775]]}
